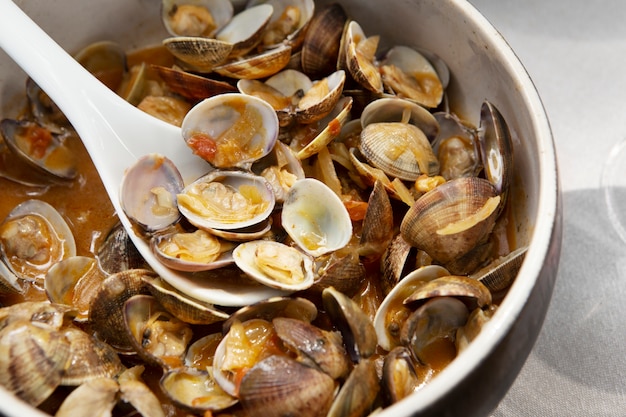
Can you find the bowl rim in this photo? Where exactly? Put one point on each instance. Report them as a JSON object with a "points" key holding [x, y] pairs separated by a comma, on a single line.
{"points": [[539, 246]]}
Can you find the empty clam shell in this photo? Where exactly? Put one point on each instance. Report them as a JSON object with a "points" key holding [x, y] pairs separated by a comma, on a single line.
{"points": [[227, 200], [275, 264], [231, 130], [148, 192], [315, 218]]}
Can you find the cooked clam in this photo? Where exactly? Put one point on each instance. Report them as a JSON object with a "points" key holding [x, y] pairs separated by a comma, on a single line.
{"points": [[452, 219], [191, 251], [33, 237], [148, 192], [456, 146], [156, 335], [407, 73], [392, 312], [359, 53], [279, 386], [268, 309], [275, 264], [195, 17], [195, 390], [74, 281], [227, 200], [245, 29], [38, 146], [199, 54], [231, 130], [315, 218], [289, 21]]}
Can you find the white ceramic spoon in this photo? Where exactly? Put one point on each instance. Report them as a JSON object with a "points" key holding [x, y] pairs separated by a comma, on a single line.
{"points": [[115, 134]]}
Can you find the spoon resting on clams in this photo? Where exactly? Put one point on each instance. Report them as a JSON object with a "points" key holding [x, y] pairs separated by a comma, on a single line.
{"points": [[116, 134]]}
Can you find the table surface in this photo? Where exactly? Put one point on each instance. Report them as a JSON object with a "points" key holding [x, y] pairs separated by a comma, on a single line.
{"points": [[575, 53]]}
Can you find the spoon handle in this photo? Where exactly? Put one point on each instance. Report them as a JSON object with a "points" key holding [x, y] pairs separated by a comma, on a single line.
{"points": [[114, 132]]}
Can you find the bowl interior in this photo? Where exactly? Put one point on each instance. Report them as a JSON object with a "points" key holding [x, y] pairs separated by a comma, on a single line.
{"points": [[482, 67]]}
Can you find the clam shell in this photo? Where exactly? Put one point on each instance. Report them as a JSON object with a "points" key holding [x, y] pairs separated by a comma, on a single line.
{"points": [[74, 282], [247, 200], [344, 272], [289, 22], [465, 200], [9, 282], [89, 358], [148, 192], [188, 18], [496, 148], [439, 318], [356, 327], [42, 313], [391, 109], [188, 248], [252, 67], [106, 60], [392, 311], [378, 226], [417, 79], [32, 360], [324, 349], [156, 335], [399, 376], [244, 30], [360, 57], [106, 314], [180, 305], [278, 386], [55, 160], [195, 390], [191, 86], [456, 147], [33, 237], [100, 391], [283, 306], [315, 218], [320, 47], [500, 273], [358, 393], [310, 110], [199, 54], [238, 128], [44, 110], [472, 291], [251, 257], [399, 149]]}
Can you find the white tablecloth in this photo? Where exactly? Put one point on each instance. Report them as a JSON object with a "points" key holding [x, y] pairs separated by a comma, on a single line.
{"points": [[575, 52]]}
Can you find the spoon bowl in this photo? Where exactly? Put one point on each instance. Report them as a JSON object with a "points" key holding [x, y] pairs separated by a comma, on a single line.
{"points": [[116, 134]]}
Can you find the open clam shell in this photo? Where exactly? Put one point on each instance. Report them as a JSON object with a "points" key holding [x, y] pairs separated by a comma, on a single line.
{"points": [[195, 390], [288, 23], [231, 130], [148, 192], [227, 200], [195, 17], [191, 251], [393, 109], [408, 73], [392, 311], [315, 218], [275, 264], [39, 147], [199, 54], [244, 30], [33, 237]]}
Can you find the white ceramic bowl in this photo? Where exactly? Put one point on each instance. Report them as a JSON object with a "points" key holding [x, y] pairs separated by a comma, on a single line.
{"points": [[482, 67]]}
